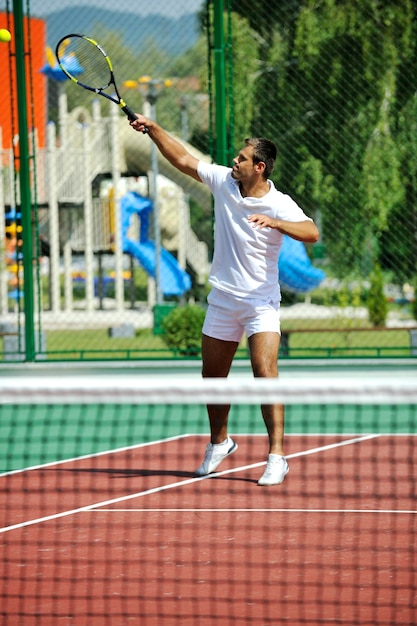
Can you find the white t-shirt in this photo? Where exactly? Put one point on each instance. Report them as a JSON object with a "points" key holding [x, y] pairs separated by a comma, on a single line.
{"points": [[245, 261]]}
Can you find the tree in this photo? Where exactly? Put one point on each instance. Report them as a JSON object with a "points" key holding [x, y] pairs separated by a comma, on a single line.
{"points": [[334, 87], [377, 303]]}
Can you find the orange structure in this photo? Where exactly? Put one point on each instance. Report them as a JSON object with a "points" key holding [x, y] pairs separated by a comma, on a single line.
{"points": [[36, 82]]}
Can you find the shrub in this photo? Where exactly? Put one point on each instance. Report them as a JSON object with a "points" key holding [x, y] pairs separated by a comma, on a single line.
{"points": [[377, 302], [182, 329], [414, 302]]}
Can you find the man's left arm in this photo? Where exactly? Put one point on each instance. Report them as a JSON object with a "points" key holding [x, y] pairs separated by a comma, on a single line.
{"points": [[305, 231]]}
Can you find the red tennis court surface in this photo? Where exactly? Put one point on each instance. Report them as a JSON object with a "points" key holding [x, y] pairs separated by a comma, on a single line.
{"points": [[130, 537]]}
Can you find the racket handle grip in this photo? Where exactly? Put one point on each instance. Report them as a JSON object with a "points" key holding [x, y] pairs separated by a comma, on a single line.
{"points": [[131, 115]]}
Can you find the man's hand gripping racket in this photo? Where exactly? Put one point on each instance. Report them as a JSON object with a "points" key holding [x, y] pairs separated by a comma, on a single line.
{"points": [[79, 55]]}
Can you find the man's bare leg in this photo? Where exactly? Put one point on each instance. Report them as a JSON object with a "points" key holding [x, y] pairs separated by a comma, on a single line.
{"points": [[264, 349], [217, 356]]}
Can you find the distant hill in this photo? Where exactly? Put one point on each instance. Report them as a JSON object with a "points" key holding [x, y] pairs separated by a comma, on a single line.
{"points": [[173, 36]]}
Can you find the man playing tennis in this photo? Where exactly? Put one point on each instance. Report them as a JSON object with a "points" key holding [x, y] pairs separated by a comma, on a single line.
{"points": [[252, 217]]}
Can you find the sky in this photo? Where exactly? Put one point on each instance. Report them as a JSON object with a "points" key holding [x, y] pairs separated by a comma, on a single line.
{"points": [[170, 8]]}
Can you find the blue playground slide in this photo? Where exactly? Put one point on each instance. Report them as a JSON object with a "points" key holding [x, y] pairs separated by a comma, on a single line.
{"points": [[174, 280], [296, 271]]}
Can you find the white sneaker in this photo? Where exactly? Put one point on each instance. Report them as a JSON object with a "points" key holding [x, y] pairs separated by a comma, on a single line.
{"points": [[275, 471], [215, 454]]}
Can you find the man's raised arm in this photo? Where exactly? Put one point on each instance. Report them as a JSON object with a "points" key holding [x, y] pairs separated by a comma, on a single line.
{"points": [[168, 146]]}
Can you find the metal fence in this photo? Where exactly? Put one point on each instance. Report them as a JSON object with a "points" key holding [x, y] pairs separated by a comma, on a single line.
{"points": [[118, 239]]}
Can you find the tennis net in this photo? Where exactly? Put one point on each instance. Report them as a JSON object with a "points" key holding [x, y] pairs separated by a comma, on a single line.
{"points": [[104, 523]]}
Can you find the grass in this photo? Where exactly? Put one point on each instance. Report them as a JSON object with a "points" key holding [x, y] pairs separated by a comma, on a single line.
{"points": [[315, 338], [319, 342], [375, 343], [344, 337], [334, 337], [97, 344]]}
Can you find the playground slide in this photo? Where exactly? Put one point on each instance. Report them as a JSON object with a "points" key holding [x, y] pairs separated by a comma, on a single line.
{"points": [[174, 280], [296, 271]]}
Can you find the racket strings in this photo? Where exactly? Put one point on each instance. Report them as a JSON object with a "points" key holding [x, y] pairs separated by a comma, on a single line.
{"points": [[85, 62]]}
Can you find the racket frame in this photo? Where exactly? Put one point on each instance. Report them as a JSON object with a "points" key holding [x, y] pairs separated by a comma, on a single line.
{"points": [[98, 90]]}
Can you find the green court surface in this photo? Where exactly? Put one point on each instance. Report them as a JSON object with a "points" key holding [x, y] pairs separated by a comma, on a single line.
{"points": [[34, 434]]}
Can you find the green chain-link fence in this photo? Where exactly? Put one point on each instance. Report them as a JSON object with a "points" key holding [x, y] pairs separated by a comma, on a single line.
{"points": [[332, 83]]}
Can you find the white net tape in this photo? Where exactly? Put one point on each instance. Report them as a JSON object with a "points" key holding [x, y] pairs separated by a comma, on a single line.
{"points": [[136, 389]]}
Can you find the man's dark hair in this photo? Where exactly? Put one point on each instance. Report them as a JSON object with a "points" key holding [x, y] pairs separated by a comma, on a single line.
{"points": [[263, 150]]}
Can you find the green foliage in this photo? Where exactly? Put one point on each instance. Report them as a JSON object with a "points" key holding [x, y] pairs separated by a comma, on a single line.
{"points": [[182, 329], [201, 224], [185, 72], [245, 54], [383, 184], [414, 302], [377, 303], [335, 89], [310, 183]]}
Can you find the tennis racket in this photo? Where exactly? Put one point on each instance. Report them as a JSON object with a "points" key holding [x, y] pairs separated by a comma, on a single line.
{"points": [[85, 62]]}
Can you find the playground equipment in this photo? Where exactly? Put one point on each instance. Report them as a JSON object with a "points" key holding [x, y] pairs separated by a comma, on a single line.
{"points": [[82, 219], [78, 219], [174, 280], [12, 279]]}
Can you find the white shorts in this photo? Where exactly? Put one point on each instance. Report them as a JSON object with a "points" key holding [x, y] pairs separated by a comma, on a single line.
{"points": [[228, 316]]}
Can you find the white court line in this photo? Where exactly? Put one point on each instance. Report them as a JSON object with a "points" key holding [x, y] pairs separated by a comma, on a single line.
{"points": [[181, 483], [93, 455], [175, 438], [386, 511]]}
